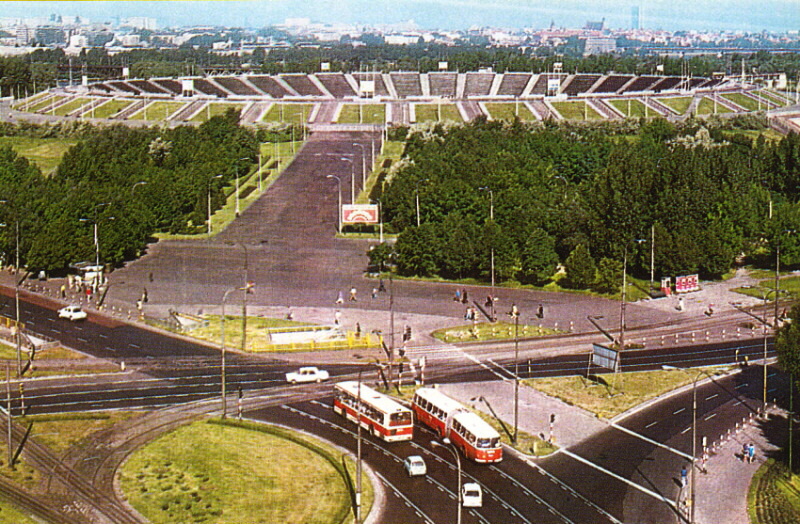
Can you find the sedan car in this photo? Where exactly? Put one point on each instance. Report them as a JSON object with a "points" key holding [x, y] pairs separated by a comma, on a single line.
{"points": [[307, 374], [72, 313], [472, 495], [415, 466]]}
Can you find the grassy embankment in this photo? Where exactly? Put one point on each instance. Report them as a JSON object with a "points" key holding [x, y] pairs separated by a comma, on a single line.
{"points": [[233, 473], [508, 111], [576, 111], [288, 113], [633, 108], [774, 495], [109, 109], [679, 104], [437, 113], [363, 114], [44, 152], [214, 109], [158, 111], [709, 107]]}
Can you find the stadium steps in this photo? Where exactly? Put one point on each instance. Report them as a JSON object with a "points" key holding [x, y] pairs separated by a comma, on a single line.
{"points": [[425, 84], [387, 81], [469, 110], [627, 84], [603, 109], [461, 83], [188, 111], [289, 89], [565, 82], [354, 84], [86, 109], [766, 104], [130, 110], [542, 110], [253, 112], [597, 84], [496, 81], [724, 102], [214, 83], [656, 105], [319, 85], [533, 110], [513, 84], [529, 86]]}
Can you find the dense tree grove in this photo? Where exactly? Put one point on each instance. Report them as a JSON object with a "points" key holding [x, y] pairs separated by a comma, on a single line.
{"points": [[537, 195], [130, 182]]}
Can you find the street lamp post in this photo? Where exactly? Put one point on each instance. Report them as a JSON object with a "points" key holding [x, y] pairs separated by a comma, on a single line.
{"points": [[352, 178], [222, 367], [237, 184], [339, 209], [515, 314], [491, 217], [245, 288], [209, 202], [363, 165], [449, 447]]}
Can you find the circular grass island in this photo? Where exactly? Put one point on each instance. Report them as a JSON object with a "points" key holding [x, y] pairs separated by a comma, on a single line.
{"points": [[238, 472]]}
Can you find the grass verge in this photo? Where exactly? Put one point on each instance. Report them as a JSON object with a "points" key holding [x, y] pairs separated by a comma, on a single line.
{"points": [[110, 108], [632, 108], [576, 111], [10, 514], [213, 109], [488, 331], [709, 107], [59, 432], [678, 103], [608, 396], [363, 114], [508, 111], [289, 113], [774, 496], [234, 473], [437, 112], [44, 152]]}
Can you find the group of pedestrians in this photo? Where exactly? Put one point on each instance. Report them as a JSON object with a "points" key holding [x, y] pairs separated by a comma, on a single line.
{"points": [[749, 452]]}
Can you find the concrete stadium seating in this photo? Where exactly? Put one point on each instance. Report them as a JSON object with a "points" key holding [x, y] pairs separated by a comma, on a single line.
{"points": [[301, 84], [268, 86], [380, 85], [147, 87], [478, 84], [173, 86], [513, 84], [336, 84], [236, 86], [443, 84], [205, 87], [643, 83], [580, 84], [612, 83], [406, 84]]}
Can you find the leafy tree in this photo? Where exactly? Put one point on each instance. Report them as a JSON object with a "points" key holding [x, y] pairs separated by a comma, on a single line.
{"points": [[418, 251], [580, 268], [539, 259], [787, 343], [609, 275]]}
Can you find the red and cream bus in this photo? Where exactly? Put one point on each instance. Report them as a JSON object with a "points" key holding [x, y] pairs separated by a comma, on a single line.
{"points": [[471, 434], [382, 416]]}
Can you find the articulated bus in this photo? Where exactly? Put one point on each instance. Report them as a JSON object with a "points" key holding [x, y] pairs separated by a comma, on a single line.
{"points": [[471, 434], [382, 416]]}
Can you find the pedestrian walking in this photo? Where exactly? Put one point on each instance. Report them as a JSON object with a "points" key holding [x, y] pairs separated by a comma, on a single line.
{"points": [[457, 296], [353, 292], [745, 451], [540, 311], [374, 293], [514, 311], [751, 453], [337, 317], [340, 298], [464, 297], [63, 291], [382, 287], [358, 330], [684, 476]]}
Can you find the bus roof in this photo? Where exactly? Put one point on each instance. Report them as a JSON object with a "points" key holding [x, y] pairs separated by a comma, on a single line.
{"points": [[476, 425], [440, 400], [371, 397]]}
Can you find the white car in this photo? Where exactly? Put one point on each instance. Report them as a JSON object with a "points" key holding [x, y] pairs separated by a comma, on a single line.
{"points": [[471, 495], [72, 313], [415, 466], [307, 374]]}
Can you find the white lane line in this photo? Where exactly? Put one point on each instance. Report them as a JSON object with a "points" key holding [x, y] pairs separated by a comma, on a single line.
{"points": [[743, 385], [620, 478], [686, 430], [82, 339], [710, 416], [135, 346], [679, 411], [651, 441], [102, 335], [715, 395], [651, 424]]}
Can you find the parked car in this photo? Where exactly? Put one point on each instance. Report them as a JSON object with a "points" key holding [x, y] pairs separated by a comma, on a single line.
{"points": [[415, 466], [307, 374], [471, 495], [72, 313]]}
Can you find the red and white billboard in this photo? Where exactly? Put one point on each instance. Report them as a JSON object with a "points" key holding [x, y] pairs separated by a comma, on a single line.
{"points": [[687, 283], [360, 214]]}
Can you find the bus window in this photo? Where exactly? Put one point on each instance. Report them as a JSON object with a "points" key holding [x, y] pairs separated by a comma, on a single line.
{"points": [[400, 419], [487, 443]]}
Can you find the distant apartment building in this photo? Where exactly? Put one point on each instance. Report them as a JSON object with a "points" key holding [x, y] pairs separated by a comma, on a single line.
{"points": [[140, 22], [598, 45]]}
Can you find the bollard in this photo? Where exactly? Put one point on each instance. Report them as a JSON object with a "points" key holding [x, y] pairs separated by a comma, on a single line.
{"points": [[122, 365], [707, 338], [693, 336], [662, 340], [723, 334], [644, 341], [555, 326], [571, 326], [738, 332]]}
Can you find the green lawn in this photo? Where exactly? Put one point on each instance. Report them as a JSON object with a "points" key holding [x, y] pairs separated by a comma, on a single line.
{"points": [[774, 495], [633, 108], [437, 112], [774, 98], [212, 109], [38, 107], [744, 101], [162, 110], [507, 111], [110, 108], [44, 152], [71, 106], [576, 111], [291, 113], [11, 515], [369, 114], [609, 395], [679, 103], [218, 473], [708, 107]]}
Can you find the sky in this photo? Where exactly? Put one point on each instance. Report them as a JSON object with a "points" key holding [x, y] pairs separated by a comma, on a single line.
{"points": [[703, 15]]}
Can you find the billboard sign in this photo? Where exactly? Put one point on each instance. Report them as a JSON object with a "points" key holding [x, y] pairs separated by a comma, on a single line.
{"points": [[687, 284], [367, 87], [360, 214], [605, 357]]}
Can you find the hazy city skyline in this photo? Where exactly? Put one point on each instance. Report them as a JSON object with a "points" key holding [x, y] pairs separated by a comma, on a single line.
{"points": [[703, 15]]}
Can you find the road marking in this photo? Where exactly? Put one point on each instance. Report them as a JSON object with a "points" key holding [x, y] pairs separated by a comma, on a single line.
{"points": [[82, 339], [744, 385], [679, 411], [530, 493], [651, 441], [102, 335], [620, 478], [715, 395], [710, 416], [135, 346], [685, 430], [651, 424]]}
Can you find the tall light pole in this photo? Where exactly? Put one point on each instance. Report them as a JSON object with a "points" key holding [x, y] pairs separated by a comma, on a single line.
{"points": [[416, 198], [515, 314], [245, 289], [209, 202], [491, 217], [352, 178], [339, 209], [237, 184], [222, 367], [363, 165], [449, 447]]}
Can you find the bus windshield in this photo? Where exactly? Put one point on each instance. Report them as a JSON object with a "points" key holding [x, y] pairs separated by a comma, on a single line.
{"points": [[402, 418], [487, 443]]}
